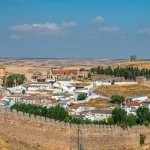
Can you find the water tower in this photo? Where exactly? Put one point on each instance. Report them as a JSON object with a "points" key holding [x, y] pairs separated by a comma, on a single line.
{"points": [[133, 58]]}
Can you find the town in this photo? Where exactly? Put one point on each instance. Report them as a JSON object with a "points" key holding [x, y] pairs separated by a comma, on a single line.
{"points": [[80, 93]]}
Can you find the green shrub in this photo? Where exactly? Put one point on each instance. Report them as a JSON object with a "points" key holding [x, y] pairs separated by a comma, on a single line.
{"points": [[146, 123], [142, 139], [81, 97]]}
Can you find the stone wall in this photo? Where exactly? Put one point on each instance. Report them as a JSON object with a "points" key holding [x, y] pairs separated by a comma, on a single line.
{"points": [[64, 136]]}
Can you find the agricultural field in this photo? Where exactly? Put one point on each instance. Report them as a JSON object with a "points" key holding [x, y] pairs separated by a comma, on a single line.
{"points": [[98, 103], [139, 64], [125, 90]]}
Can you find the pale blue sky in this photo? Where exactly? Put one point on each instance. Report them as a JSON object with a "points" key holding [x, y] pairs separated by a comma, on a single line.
{"points": [[75, 28]]}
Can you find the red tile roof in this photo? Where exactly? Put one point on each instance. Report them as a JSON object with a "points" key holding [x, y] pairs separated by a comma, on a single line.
{"points": [[134, 104], [74, 107], [65, 72], [38, 105], [53, 100]]}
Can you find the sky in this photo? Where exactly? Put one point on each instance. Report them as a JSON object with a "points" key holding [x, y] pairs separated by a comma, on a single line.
{"points": [[75, 28]]}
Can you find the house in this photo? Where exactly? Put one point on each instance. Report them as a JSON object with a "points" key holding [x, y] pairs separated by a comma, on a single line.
{"points": [[59, 73], [39, 100], [76, 109], [16, 97], [103, 82], [146, 104], [98, 114], [16, 89], [69, 89], [132, 107], [64, 104], [61, 96], [5, 103], [33, 86], [64, 82], [138, 98]]}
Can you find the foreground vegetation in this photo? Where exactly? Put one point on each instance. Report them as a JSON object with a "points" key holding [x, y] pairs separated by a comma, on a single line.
{"points": [[57, 113], [119, 116]]}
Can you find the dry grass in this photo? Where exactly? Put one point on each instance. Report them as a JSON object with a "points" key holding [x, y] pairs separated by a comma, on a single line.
{"points": [[99, 103], [140, 64], [10, 143], [22, 70], [125, 90]]}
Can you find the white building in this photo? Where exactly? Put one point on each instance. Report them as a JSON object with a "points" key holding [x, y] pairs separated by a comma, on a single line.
{"points": [[132, 107], [139, 98], [98, 114], [76, 109]]}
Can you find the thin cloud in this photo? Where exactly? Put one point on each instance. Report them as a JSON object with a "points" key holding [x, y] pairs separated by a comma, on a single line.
{"points": [[108, 29], [16, 37], [70, 24], [98, 19], [144, 31], [43, 29]]}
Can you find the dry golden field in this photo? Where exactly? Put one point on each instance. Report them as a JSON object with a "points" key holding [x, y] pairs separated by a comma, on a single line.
{"points": [[126, 90], [98, 103], [139, 64], [10, 143]]}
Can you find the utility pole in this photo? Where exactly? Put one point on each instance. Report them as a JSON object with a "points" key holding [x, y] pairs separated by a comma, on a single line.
{"points": [[80, 146]]}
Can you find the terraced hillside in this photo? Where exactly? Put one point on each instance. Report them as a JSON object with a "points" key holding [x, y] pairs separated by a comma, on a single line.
{"points": [[125, 90]]}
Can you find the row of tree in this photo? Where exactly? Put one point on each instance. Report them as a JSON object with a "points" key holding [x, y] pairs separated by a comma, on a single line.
{"points": [[128, 72], [119, 115], [57, 113], [13, 80]]}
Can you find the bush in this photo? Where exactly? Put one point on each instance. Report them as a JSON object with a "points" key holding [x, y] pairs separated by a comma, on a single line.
{"points": [[146, 123], [23, 91], [110, 121], [81, 97], [142, 139], [118, 99]]}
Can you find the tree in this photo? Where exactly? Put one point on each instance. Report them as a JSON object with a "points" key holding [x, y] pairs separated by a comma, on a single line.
{"points": [[14, 80], [131, 120], [110, 121], [113, 82], [81, 97], [82, 69], [93, 70], [89, 75], [143, 114], [98, 70], [117, 99], [23, 91], [119, 115]]}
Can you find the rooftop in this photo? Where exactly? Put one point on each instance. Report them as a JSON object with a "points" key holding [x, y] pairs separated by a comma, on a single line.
{"points": [[101, 111], [75, 107], [134, 104]]}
